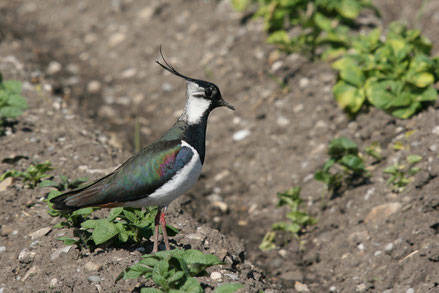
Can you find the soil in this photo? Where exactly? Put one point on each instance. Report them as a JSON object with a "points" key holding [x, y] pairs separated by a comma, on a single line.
{"points": [[90, 79]]}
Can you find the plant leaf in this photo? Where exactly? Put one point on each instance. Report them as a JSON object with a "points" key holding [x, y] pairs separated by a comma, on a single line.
{"points": [[228, 288], [348, 97], [104, 231]]}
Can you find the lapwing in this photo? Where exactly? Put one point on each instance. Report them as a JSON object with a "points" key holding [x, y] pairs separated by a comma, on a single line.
{"points": [[162, 171]]}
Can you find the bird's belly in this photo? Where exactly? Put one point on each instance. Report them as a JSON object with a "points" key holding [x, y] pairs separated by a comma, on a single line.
{"points": [[179, 184]]}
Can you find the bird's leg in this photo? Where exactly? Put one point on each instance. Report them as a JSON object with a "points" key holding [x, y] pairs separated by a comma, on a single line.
{"points": [[165, 234], [156, 232]]}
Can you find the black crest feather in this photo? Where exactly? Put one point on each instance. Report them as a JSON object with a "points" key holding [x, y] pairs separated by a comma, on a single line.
{"points": [[171, 68]]}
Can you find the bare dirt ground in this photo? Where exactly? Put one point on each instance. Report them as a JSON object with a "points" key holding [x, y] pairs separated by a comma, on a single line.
{"points": [[96, 58]]}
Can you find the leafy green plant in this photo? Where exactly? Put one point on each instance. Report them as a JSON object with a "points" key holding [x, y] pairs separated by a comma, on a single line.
{"points": [[298, 219], [345, 159], [33, 175], [306, 25], [12, 103], [173, 270], [402, 175], [121, 226], [395, 75]]}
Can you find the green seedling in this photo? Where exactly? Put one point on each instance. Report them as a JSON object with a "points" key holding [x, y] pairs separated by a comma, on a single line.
{"points": [[395, 75], [64, 184], [345, 159], [172, 271], [307, 25], [267, 242], [12, 103], [298, 220], [374, 150], [402, 175], [121, 226], [33, 175]]}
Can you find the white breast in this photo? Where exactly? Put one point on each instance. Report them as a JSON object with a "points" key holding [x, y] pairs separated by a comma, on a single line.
{"points": [[179, 184]]}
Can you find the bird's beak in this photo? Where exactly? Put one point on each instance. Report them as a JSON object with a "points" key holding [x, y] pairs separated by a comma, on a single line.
{"points": [[225, 104]]}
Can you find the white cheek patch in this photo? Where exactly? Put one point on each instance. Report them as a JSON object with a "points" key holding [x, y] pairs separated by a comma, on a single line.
{"points": [[195, 109]]}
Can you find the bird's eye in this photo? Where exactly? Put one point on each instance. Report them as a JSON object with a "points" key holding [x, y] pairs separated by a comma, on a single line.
{"points": [[208, 92]]}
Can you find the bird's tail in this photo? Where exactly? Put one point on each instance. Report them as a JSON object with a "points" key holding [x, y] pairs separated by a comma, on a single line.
{"points": [[87, 196]]}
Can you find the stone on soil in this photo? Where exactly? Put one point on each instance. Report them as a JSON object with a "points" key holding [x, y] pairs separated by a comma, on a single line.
{"points": [[40, 233], [382, 212]]}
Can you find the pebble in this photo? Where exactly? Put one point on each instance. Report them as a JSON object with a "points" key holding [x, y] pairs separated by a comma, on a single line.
{"points": [[369, 193], [92, 267], [146, 13], [298, 108], [241, 134], [378, 252], [221, 175], [216, 276], [382, 212], [53, 283], [128, 73], [195, 236], [282, 121], [26, 256], [2, 249], [332, 289], [436, 130], [433, 147], [107, 112], [54, 67], [303, 82], [300, 287], [167, 87], [94, 87], [320, 124], [388, 291], [40, 233], [361, 246], [116, 39], [2, 290], [277, 65], [360, 288], [410, 290], [94, 279], [58, 252], [4, 186], [282, 252], [221, 205], [388, 248]]}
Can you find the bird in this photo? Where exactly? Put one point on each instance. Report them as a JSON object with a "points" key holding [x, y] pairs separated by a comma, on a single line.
{"points": [[162, 171]]}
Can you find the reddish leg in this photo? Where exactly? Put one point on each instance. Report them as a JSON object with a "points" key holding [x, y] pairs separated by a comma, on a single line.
{"points": [[157, 220], [165, 234]]}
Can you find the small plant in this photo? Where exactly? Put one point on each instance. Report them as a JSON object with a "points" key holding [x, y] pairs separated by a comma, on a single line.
{"points": [[402, 175], [374, 150], [345, 159], [395, 75], [12, 103], [33, 175], [121, 226], [306, 25], [172, 271], [298, 219], [64, 184], [267, 242]]}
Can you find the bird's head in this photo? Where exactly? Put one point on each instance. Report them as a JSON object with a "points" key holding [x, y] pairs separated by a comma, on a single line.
{"points": [[201, 95]]}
